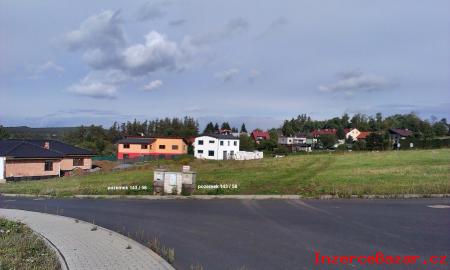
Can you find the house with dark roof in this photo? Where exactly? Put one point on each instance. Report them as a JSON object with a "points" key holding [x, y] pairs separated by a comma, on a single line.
{"points": [[23, 160], [398, 134], [37, 159], [135, 147], [73, 157]]}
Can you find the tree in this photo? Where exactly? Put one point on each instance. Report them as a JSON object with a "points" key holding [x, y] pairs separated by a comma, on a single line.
{"points": [[246, 143], [243, 129], [234, 129], [340, 133], [209, 128], [440, 128], [216, 127], [225, 125], [375, 141], [327, 140], [3, 133]]}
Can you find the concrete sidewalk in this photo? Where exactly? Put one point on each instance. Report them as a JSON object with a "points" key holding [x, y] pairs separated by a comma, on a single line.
{"points": [[81, 246]]}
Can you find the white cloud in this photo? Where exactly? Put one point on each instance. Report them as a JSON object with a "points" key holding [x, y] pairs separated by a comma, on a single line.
{"points": [[152, 85], [48, 66], [94, 90], [156, 53], [100, 84], [227, 75], [102, 41], [37, 70], [352, 82]]}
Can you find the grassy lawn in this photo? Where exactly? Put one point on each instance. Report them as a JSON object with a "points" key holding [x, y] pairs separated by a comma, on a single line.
{"points": [[20, 248], [357, 173]]}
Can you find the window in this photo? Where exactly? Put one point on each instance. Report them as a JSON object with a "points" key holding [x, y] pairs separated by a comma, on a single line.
{"points": [[199, 151], [211, 141], [228, 143], [78, 161], [211, 153], [162, 146], [144, 146], [200, 142], [235, 143], [221, 142], [174, 147], [48, 165], [126, 146]]}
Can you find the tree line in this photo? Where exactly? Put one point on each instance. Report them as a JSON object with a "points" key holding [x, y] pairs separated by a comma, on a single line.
{"points": [[101, 140], [421, 128]]}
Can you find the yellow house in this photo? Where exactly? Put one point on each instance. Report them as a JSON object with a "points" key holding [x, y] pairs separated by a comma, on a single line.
{"points": [[134, 147]]}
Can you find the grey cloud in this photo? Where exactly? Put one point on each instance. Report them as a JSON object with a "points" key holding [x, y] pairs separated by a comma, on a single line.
{"points": [[227, 75], [273, 27], [103, 30], [355, 82], [152, 10], [177, 22]]}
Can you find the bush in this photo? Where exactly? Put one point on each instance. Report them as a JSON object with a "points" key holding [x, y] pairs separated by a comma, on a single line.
{"points": [[281, 150]]}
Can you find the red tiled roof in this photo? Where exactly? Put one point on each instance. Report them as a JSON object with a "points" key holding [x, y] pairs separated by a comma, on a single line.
{"points": [[260, 134], [363, 134]]}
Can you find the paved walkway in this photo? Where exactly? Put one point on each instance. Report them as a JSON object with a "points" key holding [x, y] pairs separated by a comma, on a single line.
{"points": [[83, 247]]}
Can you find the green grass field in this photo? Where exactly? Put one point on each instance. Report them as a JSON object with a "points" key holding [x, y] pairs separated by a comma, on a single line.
{"points": [[344, 174]]}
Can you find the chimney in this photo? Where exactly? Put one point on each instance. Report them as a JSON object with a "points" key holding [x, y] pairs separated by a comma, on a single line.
{"points": [[47, 145]]}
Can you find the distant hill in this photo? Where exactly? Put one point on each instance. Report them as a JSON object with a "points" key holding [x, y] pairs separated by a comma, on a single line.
{"points": [[24, 132]]}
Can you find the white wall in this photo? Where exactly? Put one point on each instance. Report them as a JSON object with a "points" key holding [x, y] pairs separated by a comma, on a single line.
{"points": [[2, 168], [216, 145]]}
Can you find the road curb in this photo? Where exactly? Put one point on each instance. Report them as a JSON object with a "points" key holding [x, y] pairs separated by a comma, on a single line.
{"points": [[239, 197]]}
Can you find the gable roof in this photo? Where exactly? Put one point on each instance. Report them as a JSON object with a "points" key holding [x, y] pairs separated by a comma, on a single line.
{"points": [[401, 132], [147, 140], [23, 149], [363, 134], [61, 147], [137, 140], [258, 133]]}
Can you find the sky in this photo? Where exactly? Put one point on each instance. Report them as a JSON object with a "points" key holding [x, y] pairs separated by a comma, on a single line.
{"points": [[66, 63]]}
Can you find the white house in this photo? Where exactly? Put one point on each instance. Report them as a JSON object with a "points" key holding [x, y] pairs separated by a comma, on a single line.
{"points": [[354, 133], [216, 146]]}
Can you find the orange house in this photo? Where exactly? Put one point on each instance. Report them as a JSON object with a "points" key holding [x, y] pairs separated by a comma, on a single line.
{"points": [[134, 147]]}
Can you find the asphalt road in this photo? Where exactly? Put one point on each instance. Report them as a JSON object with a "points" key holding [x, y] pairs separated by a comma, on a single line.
{"points": [[270, 234]]}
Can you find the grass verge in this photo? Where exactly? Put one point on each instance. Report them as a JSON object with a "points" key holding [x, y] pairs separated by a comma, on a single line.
{"points": [[20, 248]]}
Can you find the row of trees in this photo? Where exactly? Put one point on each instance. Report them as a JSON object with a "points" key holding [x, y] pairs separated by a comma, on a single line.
{"points": [[214, 128], [422, 128]]}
